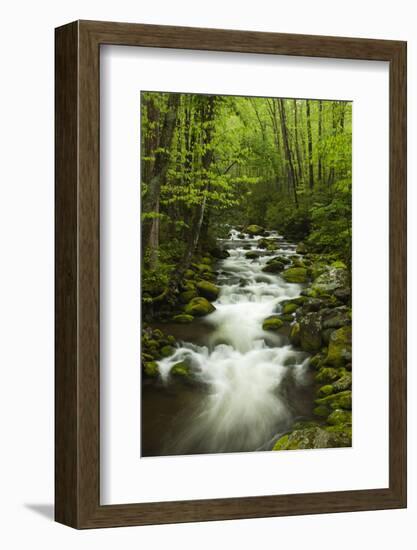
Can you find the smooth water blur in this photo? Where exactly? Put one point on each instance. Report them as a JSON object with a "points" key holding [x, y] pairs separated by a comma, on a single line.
{"points": [[254, 383]]}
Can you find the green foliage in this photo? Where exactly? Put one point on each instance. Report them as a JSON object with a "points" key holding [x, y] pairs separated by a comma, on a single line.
{"points": [[228, 165]]}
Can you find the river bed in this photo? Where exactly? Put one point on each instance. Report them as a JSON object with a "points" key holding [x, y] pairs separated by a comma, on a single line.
{"points": [[250, 384]]}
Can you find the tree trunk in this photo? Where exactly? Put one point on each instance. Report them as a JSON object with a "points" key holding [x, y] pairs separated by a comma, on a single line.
{"points": [[297, 143], [319, 167], [160, 167], [291, 171], [310, 147], [207, 115]]}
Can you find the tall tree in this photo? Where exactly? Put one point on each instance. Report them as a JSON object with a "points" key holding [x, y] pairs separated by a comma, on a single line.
{"points": [[159, 171], [310, 147], [320, 136], [288, 154], [297, 143]]}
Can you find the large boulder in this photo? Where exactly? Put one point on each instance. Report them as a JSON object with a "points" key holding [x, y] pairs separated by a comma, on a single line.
{"points": [[341, 400], [167, 350], [289, 307], [295, 275], [310, 332], [219, 253], [252, 255], [331, 279], [313, 438], [340, 416], [273, 267], [283, 259], [343, 383], [340, 347], [255, 230], [272, 323], [150, 369], [263, 243], [180, 369], [208, 290], [199, 307], [337, 317]]}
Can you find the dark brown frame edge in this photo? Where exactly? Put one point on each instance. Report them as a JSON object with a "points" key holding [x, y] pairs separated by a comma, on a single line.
{"points": [[77, 274]]}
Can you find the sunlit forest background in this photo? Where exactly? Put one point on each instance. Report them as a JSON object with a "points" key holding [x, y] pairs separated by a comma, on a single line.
{"points": [[209, 161]]}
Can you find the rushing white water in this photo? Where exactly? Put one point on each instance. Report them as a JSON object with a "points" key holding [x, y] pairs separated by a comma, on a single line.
{"points": [[245, 369]]}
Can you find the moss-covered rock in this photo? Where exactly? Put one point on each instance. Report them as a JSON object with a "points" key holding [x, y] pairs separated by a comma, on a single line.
{"points": [[263, 243], [321, 411], [343, 294], [341, 400], [343, 383], [187, 295], [301, 300], [340, 347], [326, 375], [310, 332], [150, 369], [183, 318], [343, 432], [166, 351], [302, 424], [283, 259], [295, 334], [289, 308], [311, 438], [202, 268], [186, 284], [273, 267], [272, 323], [287, 318], [337, 317], [252, 255], [199, 307], [295, 275], [331, 279], [325, 390], [255, 230], [151, 344], [219, 253], [340, 416], [180, 369], [338, 264], [208, 290], [318, 359], [189, 274]]}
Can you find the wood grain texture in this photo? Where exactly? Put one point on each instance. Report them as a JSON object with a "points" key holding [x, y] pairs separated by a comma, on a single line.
{"points": [[78, 284]]}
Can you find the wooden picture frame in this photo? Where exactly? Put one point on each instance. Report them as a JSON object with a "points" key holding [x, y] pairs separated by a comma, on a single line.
{"points": [[77, 405]]}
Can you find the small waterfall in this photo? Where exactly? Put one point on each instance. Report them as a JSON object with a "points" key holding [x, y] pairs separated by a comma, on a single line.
{"points": [[246, 371]]}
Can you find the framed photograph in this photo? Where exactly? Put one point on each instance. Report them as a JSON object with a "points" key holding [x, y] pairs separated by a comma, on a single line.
{"points": [[230, 274]]}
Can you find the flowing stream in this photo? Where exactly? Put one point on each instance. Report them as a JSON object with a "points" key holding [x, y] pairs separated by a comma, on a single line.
{"points": [[251, 384]]}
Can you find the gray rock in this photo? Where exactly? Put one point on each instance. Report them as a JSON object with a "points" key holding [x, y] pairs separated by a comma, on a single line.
{"points": [[310, 332], [337, 317], [330, 280]]}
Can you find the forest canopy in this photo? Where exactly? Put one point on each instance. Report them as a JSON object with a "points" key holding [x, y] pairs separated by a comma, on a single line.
{"points": [[209, 162]]}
